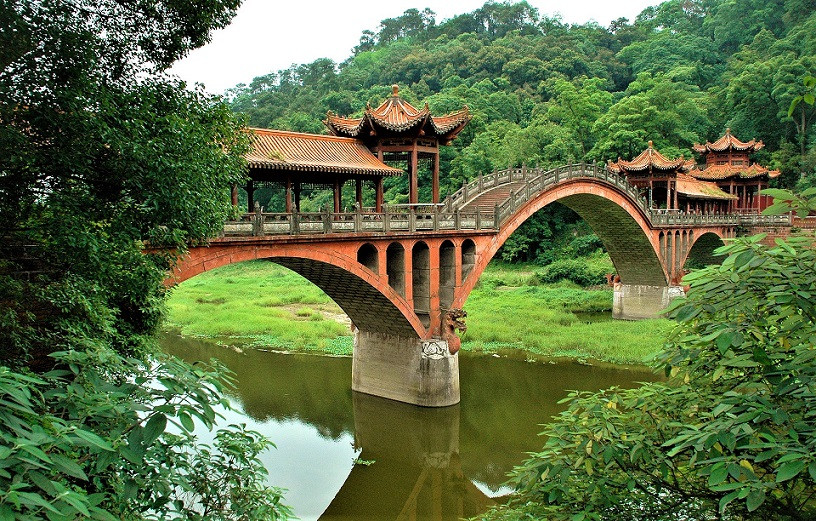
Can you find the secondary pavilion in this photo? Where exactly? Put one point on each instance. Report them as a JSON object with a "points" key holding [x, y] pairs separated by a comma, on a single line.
{"points": [[399, 133], [662, 179], [728, 164], [296, 161]]}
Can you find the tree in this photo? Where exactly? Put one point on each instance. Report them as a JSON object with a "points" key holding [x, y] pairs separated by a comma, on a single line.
{"points": [[806, 97], [729, 434], [101, 158]]}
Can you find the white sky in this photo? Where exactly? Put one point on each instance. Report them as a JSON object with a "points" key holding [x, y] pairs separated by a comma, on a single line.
{"points": [[268, 35]]}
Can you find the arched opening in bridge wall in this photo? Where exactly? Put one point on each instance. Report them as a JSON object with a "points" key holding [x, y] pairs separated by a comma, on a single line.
{"points": [[468, 258], [421, 281], [702, 252], [395, 267], [368, 256], [447, 274], [629, 247], [365, 305]]}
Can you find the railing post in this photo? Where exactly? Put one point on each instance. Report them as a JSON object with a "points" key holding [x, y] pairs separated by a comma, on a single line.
{"points": [[294, 223], [412, 219], [457, 220], [481, 183], [496, 220], [358, 218], [448, 203], [386, 219], [524, 171], [512, 199], [327, 218], [464, 191], [478, 219], [436, 218], [258, 227], [557, 172]]}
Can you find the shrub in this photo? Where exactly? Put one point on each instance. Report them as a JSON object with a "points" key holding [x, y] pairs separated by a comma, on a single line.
{"points": [[579, 271]]}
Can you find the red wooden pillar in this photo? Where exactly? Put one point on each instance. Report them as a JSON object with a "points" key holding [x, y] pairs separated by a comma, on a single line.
{"points": [[379, 197], [288, 194], [435, 189], [668, 194], [675, 206], [414, 189], [337, 196], [358, 192], [435, 313]]}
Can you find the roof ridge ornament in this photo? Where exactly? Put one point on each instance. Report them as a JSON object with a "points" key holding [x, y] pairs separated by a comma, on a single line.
{"points": [[395, 90]]}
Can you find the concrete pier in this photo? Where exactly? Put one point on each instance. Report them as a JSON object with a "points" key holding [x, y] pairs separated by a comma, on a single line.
{"points": [[637, 302], [410, 370]]}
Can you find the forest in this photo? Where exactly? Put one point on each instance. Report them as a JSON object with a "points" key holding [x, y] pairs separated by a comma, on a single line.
{"points": [[545, 93]]}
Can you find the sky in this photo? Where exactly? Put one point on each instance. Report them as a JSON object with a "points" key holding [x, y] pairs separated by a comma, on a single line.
{"points": [[269, 35]]}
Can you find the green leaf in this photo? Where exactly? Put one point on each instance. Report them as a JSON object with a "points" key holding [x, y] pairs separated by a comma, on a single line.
{"points": [[755, 498], [154, 428], [68, 466], [789, 470], [727, 499], [809, 98], [92, 439], [186, 421]]}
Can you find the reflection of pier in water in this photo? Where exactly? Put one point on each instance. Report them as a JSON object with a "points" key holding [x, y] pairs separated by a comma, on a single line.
{"points": [[416, 471]]}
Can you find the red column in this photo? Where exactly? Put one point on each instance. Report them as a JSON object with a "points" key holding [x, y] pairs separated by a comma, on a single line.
{"points": [[337, 187], [436, 177], [414, 190], [379, 197]]}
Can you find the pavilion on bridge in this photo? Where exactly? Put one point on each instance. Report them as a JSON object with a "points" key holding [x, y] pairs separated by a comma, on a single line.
{"points": [[670, 185], [728, 164], [364, 150]]}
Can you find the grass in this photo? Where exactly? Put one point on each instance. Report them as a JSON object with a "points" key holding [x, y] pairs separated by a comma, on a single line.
{"points": [[264, 305]]}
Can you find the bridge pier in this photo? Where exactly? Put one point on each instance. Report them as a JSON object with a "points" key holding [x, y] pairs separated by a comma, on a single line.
{"points": [[410, 370], [638, 301]]}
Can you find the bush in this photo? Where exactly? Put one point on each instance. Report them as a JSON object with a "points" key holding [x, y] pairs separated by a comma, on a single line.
{"points": [[580, 271]]}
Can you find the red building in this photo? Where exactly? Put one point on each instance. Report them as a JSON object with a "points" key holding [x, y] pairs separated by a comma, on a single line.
{"points": [[399, 133], [728, 164], [666, 183]]}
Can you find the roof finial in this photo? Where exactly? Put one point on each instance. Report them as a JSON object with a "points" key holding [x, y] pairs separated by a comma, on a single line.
{"points": [[728, 130], [650, 143], [395, 90]]}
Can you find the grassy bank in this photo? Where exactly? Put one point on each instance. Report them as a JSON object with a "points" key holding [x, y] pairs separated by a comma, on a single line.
{"points": [[263, 305]]}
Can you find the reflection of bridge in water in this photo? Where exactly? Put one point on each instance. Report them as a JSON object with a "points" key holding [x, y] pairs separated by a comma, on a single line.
{"points": [[402, 276], [433, 462]]}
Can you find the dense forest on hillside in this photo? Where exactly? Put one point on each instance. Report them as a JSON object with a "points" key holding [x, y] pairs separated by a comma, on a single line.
{"points": [[544, 92]]}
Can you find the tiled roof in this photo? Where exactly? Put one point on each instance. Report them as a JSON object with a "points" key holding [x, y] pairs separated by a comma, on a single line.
{"points": [[296, 151], [397, 115], [651, 159], [728, 141], [696, 189], [717, 172]]}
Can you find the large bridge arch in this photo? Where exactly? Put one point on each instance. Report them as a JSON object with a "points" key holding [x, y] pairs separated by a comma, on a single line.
{"points": [[617, 220], [701, 252], [371, 305]]}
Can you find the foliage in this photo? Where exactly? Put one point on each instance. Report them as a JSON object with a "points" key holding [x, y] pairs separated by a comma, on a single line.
{"points": [[578, 270], [729, 435], [101, 158]]}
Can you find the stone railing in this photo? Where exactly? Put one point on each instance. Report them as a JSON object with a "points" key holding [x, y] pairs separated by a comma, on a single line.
{"points": [[449, 215], [404, 219]]}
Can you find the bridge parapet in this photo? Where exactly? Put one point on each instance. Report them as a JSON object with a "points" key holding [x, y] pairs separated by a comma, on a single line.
{"points": [[453, 214]]}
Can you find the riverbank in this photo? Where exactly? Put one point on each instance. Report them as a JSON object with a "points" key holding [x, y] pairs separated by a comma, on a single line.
{"points": [[262, 305]]}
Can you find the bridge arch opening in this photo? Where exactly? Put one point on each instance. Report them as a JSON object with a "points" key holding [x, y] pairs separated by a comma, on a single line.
{"points": [[395, 267], [368, 256], [702, 250], [468, 258], [447, 274], [421, 281]]}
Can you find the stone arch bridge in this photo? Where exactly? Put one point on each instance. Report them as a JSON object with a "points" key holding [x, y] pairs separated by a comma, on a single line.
{"points": [[403, 275]]}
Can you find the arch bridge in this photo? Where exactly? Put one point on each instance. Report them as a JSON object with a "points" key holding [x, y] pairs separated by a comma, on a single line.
{"points": [[404, 274]]}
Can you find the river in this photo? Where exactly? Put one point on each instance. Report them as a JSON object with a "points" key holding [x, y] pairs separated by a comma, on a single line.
{"points": [[343, 455]]}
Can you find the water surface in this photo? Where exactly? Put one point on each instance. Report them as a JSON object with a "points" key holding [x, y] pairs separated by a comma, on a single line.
{"points": [[411, 462]]}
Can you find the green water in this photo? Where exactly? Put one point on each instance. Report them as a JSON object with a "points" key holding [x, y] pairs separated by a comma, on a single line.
{"points": [[425, 464]]}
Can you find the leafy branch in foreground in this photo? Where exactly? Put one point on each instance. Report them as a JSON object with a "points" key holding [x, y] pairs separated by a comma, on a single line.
{"points": [[731, 433]]}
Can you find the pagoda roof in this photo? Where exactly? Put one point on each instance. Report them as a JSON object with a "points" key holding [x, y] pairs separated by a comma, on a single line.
{"points": [[719, 172], [728, 141], [651, 159], [696, 189], [283, 150], [398, 116]]}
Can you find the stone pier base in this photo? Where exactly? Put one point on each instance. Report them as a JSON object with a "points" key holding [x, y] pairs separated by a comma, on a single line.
{"points": [[636, 302], [410, 370]]}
